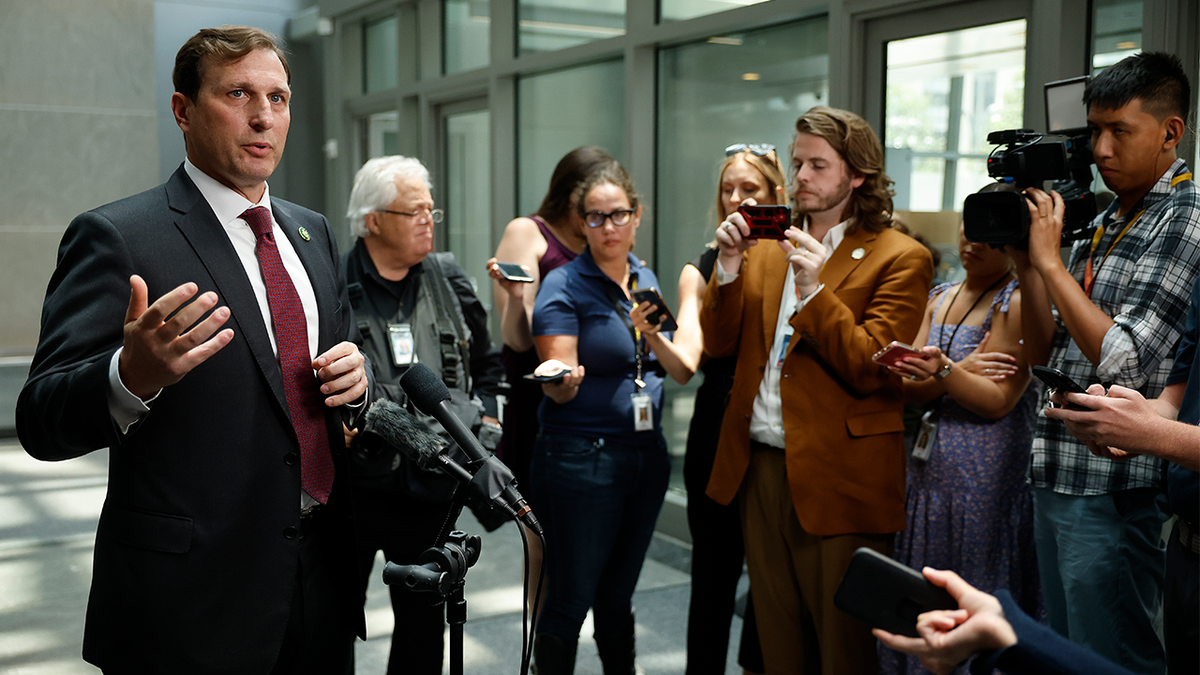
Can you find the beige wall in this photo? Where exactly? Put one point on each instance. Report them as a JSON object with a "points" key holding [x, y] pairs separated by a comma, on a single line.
{"points": [[77, 116]]}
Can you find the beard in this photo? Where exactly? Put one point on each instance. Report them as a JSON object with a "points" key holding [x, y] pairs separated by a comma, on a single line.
{"points": [[818, 202]]}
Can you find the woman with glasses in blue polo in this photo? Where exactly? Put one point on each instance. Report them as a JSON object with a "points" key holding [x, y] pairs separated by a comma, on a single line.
{"points": [[600, 467]]}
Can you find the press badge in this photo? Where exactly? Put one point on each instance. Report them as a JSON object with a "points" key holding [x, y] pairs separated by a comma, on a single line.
{"points": [[403, 348], [926, 436], [643, 412]]}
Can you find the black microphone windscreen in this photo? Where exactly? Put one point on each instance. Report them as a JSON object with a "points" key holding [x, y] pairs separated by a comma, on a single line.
{"points": [[424, 388], [402, 430]]}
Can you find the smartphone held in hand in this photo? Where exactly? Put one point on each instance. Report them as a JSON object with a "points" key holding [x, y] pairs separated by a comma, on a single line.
{"points": [[769, 221], [660, 312], [514, 272], [894, 351]]}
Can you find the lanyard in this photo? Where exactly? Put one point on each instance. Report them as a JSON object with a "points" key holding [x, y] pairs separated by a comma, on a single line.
{"points": [[1089, 275], [633, 331]]}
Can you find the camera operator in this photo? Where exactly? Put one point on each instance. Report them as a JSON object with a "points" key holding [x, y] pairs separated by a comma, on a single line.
{"points": [[1120, 304]]}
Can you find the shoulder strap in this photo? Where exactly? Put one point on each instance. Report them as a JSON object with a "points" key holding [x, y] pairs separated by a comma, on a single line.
{"points": [[454, 336]]}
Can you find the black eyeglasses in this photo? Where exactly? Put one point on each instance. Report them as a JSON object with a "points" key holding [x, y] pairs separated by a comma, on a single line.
{"points": [[760, 149], [436, 215], [620, 217]]}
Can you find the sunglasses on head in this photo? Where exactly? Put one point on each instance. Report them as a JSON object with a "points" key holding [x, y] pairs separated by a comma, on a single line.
{"points": [[760, 149]]}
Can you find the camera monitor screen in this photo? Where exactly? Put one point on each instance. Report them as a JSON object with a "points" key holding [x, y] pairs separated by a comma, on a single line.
{"points": [[1064, 105]]}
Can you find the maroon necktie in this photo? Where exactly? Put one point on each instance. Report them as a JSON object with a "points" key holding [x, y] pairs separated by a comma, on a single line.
{"points": [[291, 340]]}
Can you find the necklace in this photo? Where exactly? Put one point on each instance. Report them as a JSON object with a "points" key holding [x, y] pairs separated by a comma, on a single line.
{"points": [[946, 349]]}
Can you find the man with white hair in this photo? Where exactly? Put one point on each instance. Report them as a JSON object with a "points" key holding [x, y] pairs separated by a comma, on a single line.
{"points": [[412, 306]]}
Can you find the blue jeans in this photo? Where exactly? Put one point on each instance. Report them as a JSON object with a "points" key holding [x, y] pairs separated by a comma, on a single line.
{"points": [[1101, 562], [598, 500]]}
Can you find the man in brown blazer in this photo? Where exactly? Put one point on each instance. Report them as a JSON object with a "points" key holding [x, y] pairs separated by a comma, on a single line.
{"points": [[811, 444]]}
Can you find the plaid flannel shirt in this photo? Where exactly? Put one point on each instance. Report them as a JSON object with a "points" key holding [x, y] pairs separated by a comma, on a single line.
{"points": [[1144, 284]]}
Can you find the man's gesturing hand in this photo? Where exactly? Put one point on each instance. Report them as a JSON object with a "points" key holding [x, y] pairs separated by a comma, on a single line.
{"points": [[343, 374], [159, 351]]}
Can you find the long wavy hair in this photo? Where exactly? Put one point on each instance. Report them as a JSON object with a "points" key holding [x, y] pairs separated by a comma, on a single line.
{"points": [[870, 203]]}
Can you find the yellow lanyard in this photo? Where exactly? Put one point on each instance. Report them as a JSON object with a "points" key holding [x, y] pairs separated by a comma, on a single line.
{"points": [[1089, 277]]}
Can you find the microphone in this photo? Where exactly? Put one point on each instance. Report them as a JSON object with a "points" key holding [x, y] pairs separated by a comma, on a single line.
{"points": [[430, 395], [395, 427], [391, 424]]}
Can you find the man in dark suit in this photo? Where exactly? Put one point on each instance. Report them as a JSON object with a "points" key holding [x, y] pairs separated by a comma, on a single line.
{"points": [[225, 543], [811, 443]]}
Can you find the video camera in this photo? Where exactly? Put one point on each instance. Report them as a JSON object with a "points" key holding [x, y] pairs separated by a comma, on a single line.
{"points": [[1028, 159]]}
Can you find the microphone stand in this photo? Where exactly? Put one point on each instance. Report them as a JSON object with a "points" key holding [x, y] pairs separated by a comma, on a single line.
{"points": [[442, 570]]}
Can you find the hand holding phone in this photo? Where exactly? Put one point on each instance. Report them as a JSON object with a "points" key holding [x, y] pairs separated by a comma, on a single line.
{"points": [[768, 221], [660, 313], [514, 272], [1059, 381], [886, 594], [894, 352]]}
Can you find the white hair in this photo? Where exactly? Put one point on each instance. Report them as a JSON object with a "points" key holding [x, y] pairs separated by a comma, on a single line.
{"points": [[375, 187]]}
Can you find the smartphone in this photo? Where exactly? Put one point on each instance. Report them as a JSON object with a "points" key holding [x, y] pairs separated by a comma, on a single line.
{"points": [[514, 272], [893, 352], [551, 379], [886, 594], [660, 312], [769, 221], [1057, 379]]}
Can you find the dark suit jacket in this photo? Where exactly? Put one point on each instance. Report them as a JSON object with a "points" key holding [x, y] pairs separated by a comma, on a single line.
{"points": [[196, 549], [841, 412]]}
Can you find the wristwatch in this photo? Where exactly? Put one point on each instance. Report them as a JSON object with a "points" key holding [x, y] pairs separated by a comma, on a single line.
{"points": [[943, 371]]}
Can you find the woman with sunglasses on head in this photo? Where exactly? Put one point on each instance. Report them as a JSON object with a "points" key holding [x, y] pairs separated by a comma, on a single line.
{"points": [[748, 172], [600, 467]]}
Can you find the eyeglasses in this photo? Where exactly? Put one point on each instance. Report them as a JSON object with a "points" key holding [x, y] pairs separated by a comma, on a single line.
{"points": [[760, 149], [620, 217], [436, 215]]}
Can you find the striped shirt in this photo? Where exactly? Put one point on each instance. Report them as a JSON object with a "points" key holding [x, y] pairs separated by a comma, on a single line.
{"points": [[1143, 284]]}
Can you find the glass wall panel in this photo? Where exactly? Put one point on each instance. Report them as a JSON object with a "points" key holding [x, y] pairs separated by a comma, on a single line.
{"points": [[381, 55], [945, 92], [468, 194], [560, 111], [737, 88], [547, 25], [380, 135], [678, 10], [467, 44], [1116, 31]]}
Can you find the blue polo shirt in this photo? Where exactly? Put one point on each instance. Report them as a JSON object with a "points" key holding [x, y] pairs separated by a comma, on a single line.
{"points": [[1183, 485], [577, 299]]}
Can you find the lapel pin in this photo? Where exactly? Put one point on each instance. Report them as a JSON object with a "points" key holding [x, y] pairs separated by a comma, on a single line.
{"points": [[306, 236], [857, 253]]}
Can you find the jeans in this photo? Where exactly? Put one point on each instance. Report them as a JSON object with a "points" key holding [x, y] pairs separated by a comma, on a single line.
{"points": [[1101, 563], [598, 500]]}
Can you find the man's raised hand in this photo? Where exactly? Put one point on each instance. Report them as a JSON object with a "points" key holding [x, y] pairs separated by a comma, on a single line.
{"points": [[158, 351]]}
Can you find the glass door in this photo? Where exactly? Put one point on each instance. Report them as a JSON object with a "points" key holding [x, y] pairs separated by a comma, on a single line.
{"points": [[465, 192], [937, 84]]}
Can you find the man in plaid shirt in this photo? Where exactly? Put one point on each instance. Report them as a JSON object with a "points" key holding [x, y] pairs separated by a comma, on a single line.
{"points": [[1119, 308]]}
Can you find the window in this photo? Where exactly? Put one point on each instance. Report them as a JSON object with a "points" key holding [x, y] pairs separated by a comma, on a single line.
{"points": [[547, 25], [738, 88], [381, 55], [1116, 31], [560, 111], [467, 42], [380, 135], [945, 92], [678, 10]]}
